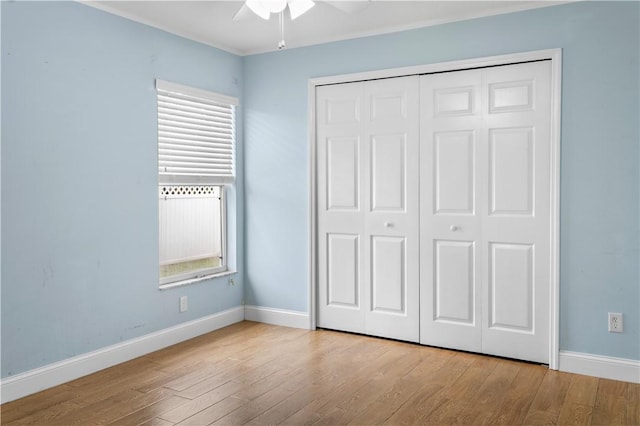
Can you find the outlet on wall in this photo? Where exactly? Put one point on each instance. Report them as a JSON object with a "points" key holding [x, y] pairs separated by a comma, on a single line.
{"points": [[615, 322], [184, 304]]}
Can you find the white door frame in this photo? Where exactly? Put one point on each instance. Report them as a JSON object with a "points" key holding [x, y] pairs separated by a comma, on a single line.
{"points": [[555, 55]]}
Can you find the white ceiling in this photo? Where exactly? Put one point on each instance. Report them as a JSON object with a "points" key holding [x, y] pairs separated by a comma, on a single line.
{"points": [[211, 22]]}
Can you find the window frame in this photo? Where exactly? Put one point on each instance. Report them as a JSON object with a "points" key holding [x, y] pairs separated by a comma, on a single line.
{"points": [[223, 182]]}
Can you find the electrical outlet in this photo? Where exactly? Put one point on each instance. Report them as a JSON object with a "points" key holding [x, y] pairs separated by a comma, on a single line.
{"points": [[184, 304], [615, 322]]}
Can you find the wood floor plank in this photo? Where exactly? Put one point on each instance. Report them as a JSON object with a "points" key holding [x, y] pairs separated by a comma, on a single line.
{"points": [[633, 404], [579, 401], [208, 384], [402, 389], [113, 373], [260, 374], [150, 411], [575, 414], [33, 404], [45, 417], [582, 390], [192, 376], [156, 422], [454, 399], [357, 399], [200, 403], [91, 394], [214, 412], [610, 407], [545, 407], [262, 403], [519, 396], [445, 368], [483, 405], [325, 395], [216, 346], [318, 387], [112, 408]]}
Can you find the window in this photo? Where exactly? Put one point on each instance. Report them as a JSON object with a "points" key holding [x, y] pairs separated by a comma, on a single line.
{"points": [[196, 146]]}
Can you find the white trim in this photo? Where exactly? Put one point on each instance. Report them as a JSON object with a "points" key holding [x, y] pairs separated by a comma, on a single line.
{"points": [[197, 280], [41, 378], [555, 55], [518, 7], [312, 207], [195, 180], [554, 206], [606, 367], [490, 61], [170, 87], [285, 318]]}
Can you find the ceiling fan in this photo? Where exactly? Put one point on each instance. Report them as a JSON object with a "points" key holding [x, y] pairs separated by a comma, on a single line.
{"points": [[264, 9]]}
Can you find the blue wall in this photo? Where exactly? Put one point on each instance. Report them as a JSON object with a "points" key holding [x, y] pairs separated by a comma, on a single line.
{"points": [[600, 185], [79, 174]]}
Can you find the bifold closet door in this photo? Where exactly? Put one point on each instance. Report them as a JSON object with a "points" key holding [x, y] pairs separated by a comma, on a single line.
{"points": [[451, 132], [485, 210], [367, 207]]}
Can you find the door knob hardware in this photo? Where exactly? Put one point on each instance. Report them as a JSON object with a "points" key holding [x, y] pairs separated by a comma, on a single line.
{"points": [[388, 224], [454, 228]]}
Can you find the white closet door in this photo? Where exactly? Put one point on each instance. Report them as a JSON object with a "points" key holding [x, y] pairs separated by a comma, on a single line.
{"points": [[450, 175], [341, 213], [485, 161], [367, 138], [516, 220], [391, 199]]}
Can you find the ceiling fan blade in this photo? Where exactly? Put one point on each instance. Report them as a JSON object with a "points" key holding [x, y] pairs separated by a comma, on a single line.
{"points": [[298, 7], [243, 13], [259, 8], [263, 8], [350, 6]]}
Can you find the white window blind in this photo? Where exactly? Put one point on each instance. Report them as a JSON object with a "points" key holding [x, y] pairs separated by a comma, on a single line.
{"points": [[196, 135]]}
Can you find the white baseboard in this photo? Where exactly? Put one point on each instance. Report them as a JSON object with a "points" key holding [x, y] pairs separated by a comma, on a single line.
{"points": [[41, 378], [606, 367], [294, 319]]}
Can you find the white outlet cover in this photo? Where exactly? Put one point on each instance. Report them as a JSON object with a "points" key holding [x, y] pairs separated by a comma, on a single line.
{"points": [[615, 322]]}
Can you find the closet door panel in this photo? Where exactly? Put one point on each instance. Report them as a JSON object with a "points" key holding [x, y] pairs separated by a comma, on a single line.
{"points": [[391, 196], [454, 172], [450, 240], [341, 217], [388, 172], [516, 222], [454, 282], [388, 283], [367, 141], [484, 173], [343, 279], [342, 173]]}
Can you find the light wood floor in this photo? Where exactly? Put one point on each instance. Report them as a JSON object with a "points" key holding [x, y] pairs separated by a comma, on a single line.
{"points": [[257, 374]]}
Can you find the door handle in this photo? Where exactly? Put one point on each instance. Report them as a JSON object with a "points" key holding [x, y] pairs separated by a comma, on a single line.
{"points": [[388, 224], [454, 228]]}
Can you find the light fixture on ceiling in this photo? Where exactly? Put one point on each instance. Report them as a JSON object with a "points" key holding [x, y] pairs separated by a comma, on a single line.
{"points": [[264, 9]]}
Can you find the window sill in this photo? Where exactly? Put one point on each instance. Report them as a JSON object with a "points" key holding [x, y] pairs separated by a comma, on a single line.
{"points": [[195, 280]]}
